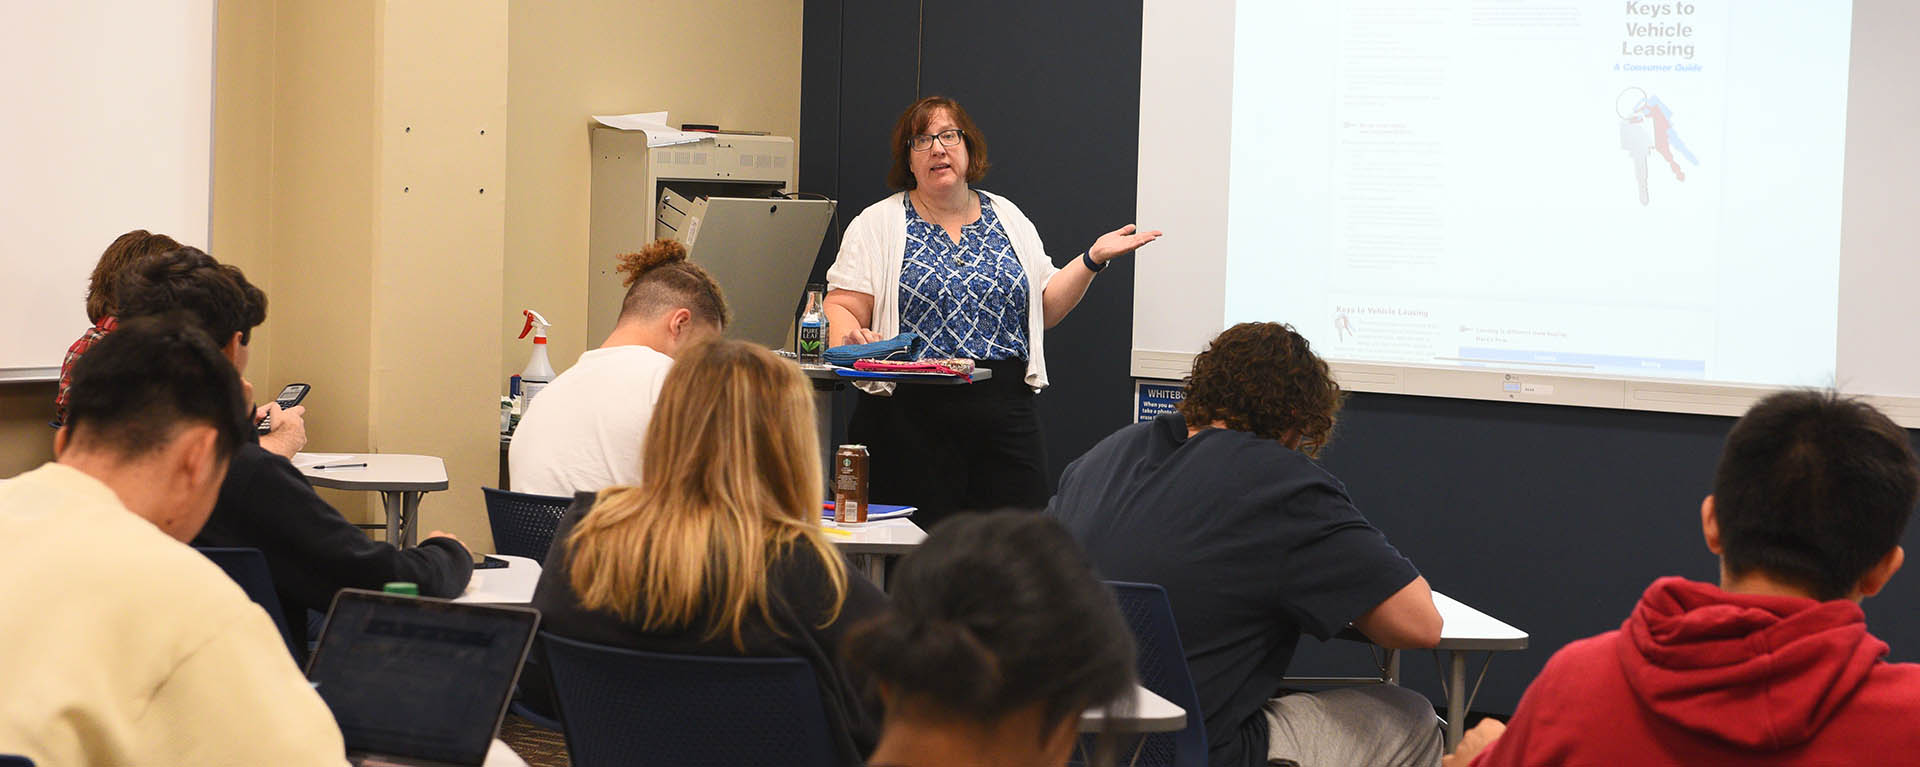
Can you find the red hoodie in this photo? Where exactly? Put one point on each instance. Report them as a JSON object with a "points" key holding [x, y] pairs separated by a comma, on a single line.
{"points": [[1699, 676]]}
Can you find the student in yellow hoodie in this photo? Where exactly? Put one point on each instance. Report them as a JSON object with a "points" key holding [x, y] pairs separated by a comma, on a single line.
{"points": [[122, 645]]}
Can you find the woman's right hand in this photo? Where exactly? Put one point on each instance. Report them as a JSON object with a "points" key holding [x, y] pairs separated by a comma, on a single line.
{"points": [[860, 336]]}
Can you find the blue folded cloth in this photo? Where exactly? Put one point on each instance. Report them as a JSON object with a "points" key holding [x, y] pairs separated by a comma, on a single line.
{"points": [[906, 346]]}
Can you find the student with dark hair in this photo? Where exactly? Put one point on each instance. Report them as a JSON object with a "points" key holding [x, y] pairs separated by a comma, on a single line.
{"points": [[265, 502], [103, 304], [1775, 665], [222, 303], [998, 638], [123, 645], [585, 430], [1223, 506]]}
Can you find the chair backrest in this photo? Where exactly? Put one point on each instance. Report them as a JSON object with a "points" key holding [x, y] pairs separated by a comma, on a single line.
{"points": [[1161, 663], [248, 567], [626, 707], [8, 760], [522, 523]]}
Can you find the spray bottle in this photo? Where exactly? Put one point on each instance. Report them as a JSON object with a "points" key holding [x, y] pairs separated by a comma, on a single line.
{"points": [[539, 371]]}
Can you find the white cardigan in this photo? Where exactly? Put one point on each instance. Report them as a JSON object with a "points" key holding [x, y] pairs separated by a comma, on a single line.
{"points": [[875, 245]]}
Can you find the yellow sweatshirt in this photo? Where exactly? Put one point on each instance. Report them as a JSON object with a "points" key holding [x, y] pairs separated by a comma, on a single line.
{"points": [[122, 646]]}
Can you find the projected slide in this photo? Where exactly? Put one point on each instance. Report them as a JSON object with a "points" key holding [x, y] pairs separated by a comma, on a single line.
{"points": [[1646, 189]]}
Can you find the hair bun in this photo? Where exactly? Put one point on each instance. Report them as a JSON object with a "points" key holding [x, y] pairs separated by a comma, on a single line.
{"points": [[655, 254]]}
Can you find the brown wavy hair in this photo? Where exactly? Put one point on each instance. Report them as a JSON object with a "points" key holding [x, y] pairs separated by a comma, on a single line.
{"points": [[1263, 378], [660, 278], [103, 288], [914, 121]]}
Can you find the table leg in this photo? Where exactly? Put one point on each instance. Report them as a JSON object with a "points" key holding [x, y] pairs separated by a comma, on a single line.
{"points": [[1456, 698], [396, 519], [410, 517], [1393, 666], [875, 568], [823, 430]]}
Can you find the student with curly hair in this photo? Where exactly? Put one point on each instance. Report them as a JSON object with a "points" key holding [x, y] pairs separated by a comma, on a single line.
{"points": [[584, 432], [103, 300], [1223, 505]]}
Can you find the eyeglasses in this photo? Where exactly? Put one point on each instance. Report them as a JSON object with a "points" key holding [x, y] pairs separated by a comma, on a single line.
{"points": [[949, 137]]}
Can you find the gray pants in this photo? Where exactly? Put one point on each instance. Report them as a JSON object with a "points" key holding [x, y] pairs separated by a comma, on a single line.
{"points": [[1371, 726]]}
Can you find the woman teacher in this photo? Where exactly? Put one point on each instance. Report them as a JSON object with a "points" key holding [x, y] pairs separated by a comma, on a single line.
{"points": [[965, 270]]}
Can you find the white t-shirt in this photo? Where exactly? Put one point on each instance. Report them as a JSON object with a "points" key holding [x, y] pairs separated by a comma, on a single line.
{"points": [[583, 432], [124, 646]]}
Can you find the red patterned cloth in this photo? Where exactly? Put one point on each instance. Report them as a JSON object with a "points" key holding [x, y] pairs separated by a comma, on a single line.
{"points": [[960, 368], [74, 352]]}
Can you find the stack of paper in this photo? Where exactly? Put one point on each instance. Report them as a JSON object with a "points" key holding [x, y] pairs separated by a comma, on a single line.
{"points": [[654, 124]]}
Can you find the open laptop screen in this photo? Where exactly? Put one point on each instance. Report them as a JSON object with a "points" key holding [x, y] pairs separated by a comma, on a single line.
{"points": [[419, 678]]}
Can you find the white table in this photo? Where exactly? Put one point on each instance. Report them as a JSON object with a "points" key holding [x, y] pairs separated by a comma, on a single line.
{"points": [[510, 585], [869, 544], [1145, 715], [1466, 630], [1463, 630], [399, 479], [1149, 713]]}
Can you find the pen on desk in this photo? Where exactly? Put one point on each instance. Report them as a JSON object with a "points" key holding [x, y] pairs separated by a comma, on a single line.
{"points": [[341, 466]]}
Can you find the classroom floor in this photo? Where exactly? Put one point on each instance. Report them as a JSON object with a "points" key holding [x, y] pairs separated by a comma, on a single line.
{"points": [[539, 746]]}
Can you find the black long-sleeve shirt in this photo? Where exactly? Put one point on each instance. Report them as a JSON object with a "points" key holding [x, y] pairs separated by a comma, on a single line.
{"points": [[313, 551], [800, 595]]}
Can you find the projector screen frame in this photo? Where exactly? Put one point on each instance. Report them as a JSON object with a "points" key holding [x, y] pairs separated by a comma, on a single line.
{"points": [[1186, 97]]}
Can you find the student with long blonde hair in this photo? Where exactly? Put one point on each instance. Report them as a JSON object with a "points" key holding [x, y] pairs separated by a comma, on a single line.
{"points": [[718, 550]]}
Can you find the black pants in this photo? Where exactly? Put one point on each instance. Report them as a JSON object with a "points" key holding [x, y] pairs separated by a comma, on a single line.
{"points": [[948, 449]]}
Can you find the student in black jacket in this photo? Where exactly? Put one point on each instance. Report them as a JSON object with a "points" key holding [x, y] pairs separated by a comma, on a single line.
{"points": [[265, 503], [719, 551]]}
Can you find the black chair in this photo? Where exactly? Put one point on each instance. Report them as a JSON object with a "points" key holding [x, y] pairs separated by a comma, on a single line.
{"points": [[15, 761], [523, 524], [248, 567], [1161, 663], [624, 707]]}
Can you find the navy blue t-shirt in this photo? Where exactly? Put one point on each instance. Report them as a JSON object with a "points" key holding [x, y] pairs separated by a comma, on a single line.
{"points": [[1254, 543]]}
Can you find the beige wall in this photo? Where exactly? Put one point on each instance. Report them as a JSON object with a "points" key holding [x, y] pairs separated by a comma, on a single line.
{"points": [[25, 440], [394, 285], [735, 63]]}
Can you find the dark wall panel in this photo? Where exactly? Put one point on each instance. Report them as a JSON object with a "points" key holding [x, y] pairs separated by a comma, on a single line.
{"points": [[1551, 518]]}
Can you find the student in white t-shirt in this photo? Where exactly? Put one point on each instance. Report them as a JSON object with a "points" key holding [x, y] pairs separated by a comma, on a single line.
{"points": [[584, 431]]}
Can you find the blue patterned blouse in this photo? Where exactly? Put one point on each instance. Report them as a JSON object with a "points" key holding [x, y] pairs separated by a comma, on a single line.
{"points": [[967, 298]]}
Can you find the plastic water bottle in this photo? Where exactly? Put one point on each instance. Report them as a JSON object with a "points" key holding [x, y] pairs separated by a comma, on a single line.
{"points": [[813, 325]]}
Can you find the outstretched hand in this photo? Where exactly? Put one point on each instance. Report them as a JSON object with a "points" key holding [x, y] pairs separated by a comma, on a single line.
{"points": [[1120, 242]]}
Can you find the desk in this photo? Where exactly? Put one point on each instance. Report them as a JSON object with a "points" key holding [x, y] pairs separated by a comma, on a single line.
{"points": [[871, 543], [1463, 630], [510, 585], [1150, 713], [1468, 630], [399, 479]]}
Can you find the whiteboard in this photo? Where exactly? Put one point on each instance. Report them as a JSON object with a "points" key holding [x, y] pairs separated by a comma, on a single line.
{"points": [[1187, 131], [109, 128]]}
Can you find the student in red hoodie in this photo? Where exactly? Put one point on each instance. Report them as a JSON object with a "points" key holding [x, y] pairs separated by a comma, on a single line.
{"points": [[1775, 666]]}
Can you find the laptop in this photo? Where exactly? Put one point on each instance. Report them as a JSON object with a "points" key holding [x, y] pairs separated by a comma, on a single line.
{"points": [[415, 681]]}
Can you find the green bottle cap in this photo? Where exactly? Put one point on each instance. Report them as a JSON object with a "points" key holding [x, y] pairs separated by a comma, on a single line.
{"points": [[402, 587]]}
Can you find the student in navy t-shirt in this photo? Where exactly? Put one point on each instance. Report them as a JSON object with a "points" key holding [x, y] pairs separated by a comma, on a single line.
{"points": [[1222, 505]]}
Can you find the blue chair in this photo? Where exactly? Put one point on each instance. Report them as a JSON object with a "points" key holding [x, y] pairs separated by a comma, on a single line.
{"points": [[1161, 663], [248, 567], [627, 707], [523, 524]]}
